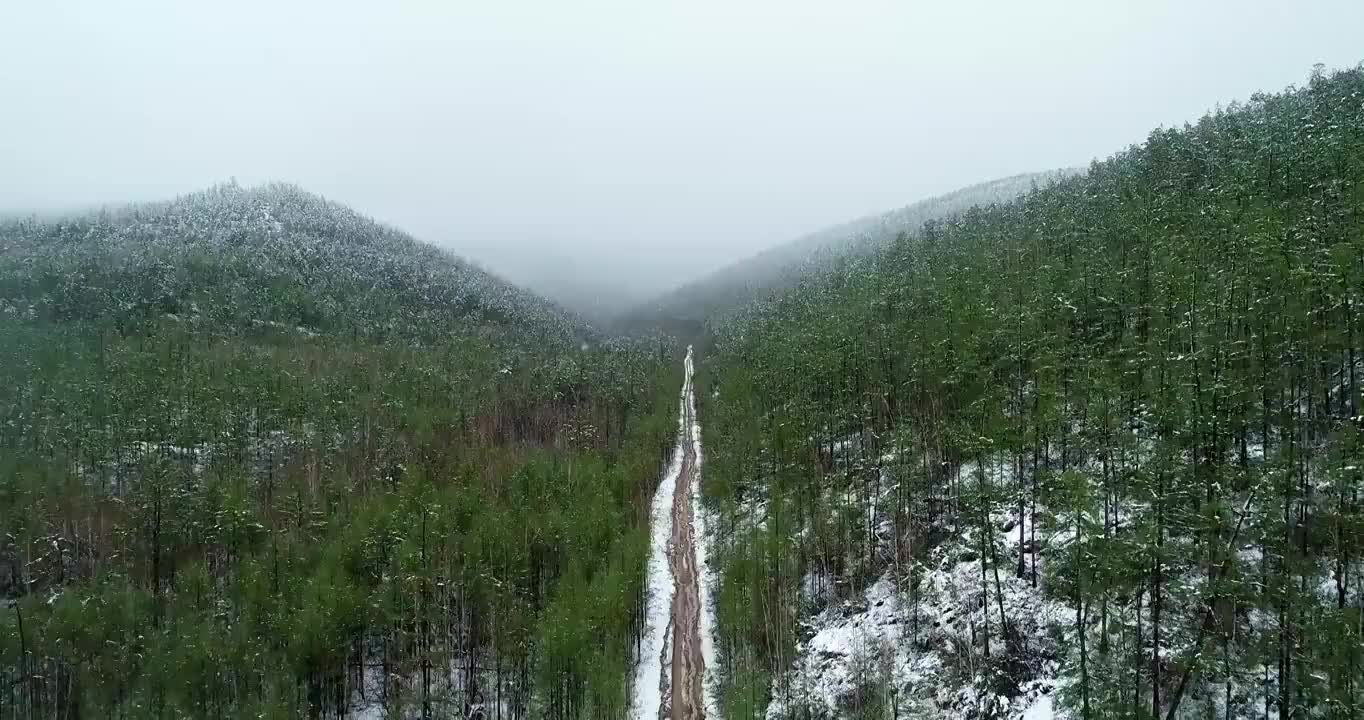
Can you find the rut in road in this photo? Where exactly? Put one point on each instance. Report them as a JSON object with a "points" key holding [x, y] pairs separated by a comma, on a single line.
{"points": [[671, 680]]}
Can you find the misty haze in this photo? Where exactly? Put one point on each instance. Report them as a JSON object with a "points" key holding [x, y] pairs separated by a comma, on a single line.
{"points": [[608, 153], [681, 361]]}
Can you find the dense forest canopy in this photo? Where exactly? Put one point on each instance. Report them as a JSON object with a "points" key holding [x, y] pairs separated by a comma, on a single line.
{"points": [[1105, 439], [265, 457]]}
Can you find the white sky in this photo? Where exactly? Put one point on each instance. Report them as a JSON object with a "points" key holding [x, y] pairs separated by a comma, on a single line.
{"points": [[626, 145]]}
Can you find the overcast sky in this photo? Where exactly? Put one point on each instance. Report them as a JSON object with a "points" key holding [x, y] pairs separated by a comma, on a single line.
{"points": [[635, 143]]}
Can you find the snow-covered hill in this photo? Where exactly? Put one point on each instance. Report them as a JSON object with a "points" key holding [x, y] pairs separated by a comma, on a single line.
{"points": [[269, 255]]}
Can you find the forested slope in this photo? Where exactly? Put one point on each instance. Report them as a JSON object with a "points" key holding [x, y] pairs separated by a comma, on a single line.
{"points": [[263, 457], [229, 257], [1099, 446], [752, 279]]}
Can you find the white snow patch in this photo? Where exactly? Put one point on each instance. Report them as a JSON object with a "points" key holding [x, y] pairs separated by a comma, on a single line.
{"points": [[1040, 710], [879, 637]]}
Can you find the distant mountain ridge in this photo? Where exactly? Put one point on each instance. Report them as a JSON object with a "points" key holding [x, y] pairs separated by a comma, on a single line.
{"points": [[737, 284], [273, 254]]}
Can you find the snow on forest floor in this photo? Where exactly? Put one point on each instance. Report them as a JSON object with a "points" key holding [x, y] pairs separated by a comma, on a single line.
{"points": [[858, 643], [927, 649], [880, 637], [1041, 709]]}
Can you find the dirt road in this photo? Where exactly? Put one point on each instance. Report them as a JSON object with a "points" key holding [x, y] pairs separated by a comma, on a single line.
{"points": [[688, 663], [677, 642]]}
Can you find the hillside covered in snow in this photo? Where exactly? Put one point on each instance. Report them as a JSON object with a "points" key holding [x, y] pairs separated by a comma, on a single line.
{"points": [[235, 257]]}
